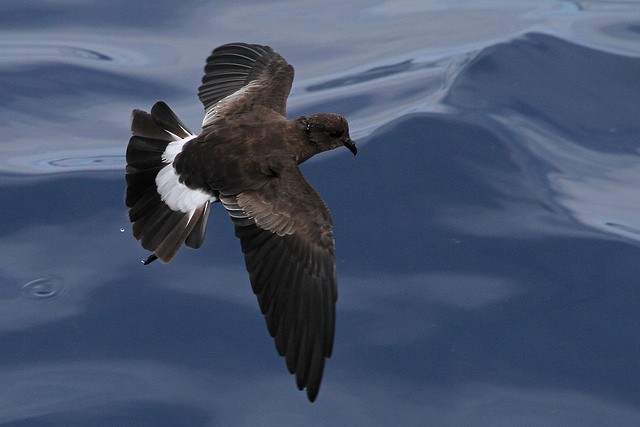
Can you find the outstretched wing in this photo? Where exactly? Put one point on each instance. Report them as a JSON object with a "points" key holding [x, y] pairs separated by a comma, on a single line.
{"points": [[241, 76], [286, 234]]}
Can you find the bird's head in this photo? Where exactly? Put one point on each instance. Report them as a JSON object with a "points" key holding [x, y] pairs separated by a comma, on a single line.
{"points": [[327, 131]]}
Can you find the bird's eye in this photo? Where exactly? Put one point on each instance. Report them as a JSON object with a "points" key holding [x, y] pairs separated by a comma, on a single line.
{"points": [[336, 133]]}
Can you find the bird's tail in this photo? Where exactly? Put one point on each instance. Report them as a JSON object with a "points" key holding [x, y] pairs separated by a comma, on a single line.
{"points": [[162, 219]]}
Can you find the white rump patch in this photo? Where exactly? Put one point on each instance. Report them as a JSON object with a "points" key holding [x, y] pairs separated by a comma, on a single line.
{"points": [[173, 148], [175, 194]]}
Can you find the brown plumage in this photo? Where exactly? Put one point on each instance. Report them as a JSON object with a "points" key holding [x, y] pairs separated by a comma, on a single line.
{"points": [[247, 157]]}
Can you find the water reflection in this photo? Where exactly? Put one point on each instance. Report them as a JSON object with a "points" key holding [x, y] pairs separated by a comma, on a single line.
{"points": [[487, 238], [21, 52], [185, 398]]}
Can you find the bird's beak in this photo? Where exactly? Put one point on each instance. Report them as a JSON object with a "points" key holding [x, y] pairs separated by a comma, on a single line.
{"points": [[351, 145]]}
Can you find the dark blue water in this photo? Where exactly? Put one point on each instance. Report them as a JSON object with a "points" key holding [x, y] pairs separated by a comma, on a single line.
{"points": [[488, 232]]}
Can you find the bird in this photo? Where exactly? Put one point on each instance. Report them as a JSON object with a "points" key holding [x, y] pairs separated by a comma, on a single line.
{"points": [[246, 158]]}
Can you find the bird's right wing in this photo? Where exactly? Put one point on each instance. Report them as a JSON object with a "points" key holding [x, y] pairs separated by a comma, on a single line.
{"points": [[240, 76]]}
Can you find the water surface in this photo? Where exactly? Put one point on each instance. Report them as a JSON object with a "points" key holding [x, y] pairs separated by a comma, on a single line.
{"points": [[487, 232]]}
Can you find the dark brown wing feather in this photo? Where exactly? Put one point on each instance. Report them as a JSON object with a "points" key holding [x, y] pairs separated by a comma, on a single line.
{"points": [[286, 237], [232, 67]]}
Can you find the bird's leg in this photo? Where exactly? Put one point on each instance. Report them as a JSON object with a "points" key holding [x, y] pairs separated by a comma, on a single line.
{"points": [[149, 260]]}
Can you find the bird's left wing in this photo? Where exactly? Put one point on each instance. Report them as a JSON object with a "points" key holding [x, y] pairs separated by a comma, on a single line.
{"points": [[286, 234]]}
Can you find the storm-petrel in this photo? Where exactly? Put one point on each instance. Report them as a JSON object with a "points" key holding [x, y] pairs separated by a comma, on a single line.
{"points": [[246, 157]]}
